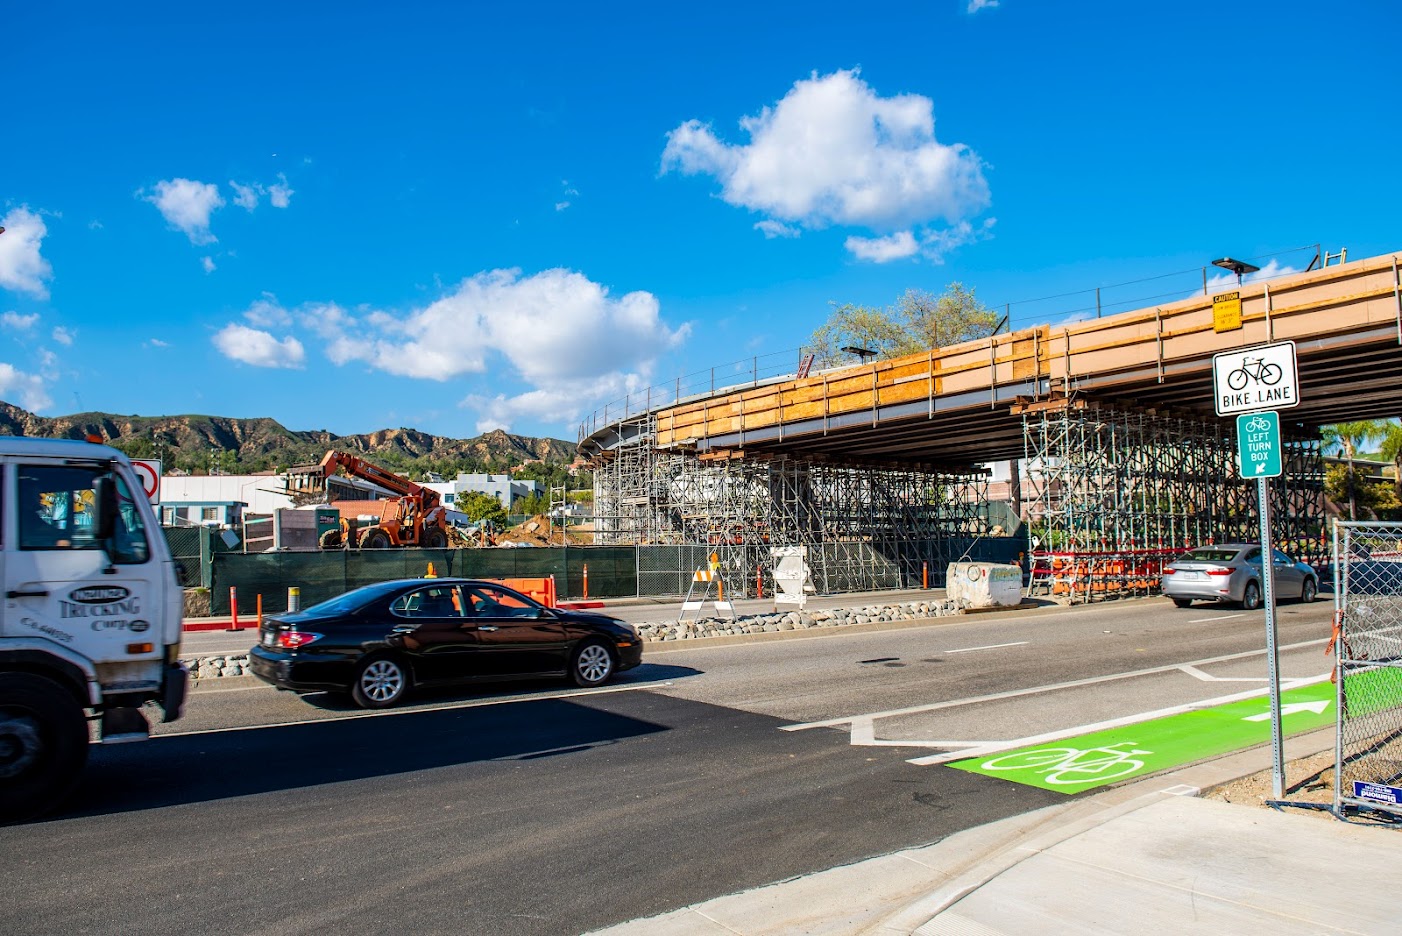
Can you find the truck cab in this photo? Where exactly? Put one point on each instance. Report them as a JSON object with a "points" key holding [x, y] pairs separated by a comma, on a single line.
{"points": [[90, 623]]}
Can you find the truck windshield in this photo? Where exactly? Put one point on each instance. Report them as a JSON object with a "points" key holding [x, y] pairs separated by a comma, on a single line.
{"points": [[58, 508]]}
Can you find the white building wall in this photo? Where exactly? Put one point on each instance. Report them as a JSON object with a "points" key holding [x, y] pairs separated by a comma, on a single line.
{"points": [[262, 493]]}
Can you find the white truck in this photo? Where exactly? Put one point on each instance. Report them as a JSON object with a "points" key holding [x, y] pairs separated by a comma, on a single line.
{"points": [[90, 626]]}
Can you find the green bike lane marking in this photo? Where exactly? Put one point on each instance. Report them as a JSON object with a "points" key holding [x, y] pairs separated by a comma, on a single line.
{"points": [[1110, 756]]}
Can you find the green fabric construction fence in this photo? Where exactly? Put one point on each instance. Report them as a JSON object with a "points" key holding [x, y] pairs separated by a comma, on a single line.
{"points": [[612, 572]]}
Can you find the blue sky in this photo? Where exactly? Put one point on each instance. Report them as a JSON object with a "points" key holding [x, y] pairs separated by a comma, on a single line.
{"points": [[458, 216]]}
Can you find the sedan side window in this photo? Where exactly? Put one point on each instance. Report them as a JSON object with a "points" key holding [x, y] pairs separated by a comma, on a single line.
{"points": [[489, 601], [1281, 558], [437, 601], [1254, 556]]}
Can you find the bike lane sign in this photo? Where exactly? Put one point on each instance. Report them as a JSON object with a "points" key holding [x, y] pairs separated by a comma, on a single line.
{"points": [[1072, 765], [1261, 378]]}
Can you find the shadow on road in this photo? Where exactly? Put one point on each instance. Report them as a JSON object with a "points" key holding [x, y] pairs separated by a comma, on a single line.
{"points": [[184, 769]]}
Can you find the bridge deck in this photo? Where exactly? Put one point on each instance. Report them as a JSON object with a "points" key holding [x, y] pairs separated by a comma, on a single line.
{"points": [[964, 403]]}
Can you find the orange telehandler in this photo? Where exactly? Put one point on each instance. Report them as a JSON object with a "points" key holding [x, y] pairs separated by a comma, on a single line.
{"points": [[416, 517]]}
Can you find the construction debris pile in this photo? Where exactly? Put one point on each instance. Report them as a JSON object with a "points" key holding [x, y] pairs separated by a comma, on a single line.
{"points": [[537, 531]]}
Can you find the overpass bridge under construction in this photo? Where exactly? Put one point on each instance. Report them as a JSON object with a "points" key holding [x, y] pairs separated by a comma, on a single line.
{"points": [[879, 468]]}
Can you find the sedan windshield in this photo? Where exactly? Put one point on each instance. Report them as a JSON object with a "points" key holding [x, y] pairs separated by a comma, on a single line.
{"points": [[1209, 555]]}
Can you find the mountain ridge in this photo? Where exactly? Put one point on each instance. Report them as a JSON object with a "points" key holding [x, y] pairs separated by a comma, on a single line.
{"points": [[195, 442]]}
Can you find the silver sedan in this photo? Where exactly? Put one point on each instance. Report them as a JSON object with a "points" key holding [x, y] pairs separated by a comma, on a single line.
{"points": [[1232, 572]]}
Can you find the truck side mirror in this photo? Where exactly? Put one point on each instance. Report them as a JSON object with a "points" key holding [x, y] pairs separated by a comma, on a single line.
{"points": [[105, 523]]}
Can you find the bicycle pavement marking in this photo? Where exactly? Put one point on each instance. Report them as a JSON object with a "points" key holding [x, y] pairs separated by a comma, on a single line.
{"points": [[1110, 755]]}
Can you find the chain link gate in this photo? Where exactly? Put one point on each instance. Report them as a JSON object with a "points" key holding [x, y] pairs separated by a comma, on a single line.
{"points": [[1368, 644]]}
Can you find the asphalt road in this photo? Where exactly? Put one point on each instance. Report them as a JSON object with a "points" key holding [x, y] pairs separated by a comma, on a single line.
{"points": [[539, 810]]}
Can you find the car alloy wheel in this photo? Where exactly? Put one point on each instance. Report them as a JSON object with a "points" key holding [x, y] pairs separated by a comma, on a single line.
{"points": [[1310, 591], [1251, 596], [379, 683], [593, 664]]}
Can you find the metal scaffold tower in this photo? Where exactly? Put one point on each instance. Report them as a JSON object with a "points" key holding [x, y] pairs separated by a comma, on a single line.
{"points": [[865, 527], [1114, 494]]}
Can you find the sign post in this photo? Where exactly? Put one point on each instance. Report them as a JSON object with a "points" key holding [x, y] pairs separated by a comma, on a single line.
{"points": [[1253, 383]]}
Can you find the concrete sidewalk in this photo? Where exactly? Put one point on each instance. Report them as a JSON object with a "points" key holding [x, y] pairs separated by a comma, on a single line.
{"points": [[1147, 857]]}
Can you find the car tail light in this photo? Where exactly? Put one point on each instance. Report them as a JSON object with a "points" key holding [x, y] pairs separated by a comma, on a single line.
{"points": [[291, 640], [1219, 571], [1169, 571]]}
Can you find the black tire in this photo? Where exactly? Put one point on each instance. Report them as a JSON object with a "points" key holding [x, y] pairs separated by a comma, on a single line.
{"points": [[380, 682], [331, 539], [1310, 590], [1182, 602], [43, 745], [435, 539], [1251, 596], [375, 539], [592, 664]]}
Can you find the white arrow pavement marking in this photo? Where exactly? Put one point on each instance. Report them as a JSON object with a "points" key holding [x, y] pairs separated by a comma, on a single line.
{"points": [[1315, 707]]}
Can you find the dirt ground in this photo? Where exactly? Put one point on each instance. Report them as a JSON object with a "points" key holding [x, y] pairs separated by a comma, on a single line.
{"points": [[1307, 780]]}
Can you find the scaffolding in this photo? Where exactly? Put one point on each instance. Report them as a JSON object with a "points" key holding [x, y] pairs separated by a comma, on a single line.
{"points": [[1114, 494], [866, 527]]}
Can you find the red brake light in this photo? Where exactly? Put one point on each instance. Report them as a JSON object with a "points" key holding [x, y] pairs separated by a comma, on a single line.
{"points": [[1169, 571], [291, 640], [1219, 571]]}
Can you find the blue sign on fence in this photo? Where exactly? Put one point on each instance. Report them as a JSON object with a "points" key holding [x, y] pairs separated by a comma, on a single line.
{"points": [[1377, 792]]}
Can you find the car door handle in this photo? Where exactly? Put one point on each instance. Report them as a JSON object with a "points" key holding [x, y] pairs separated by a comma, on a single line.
{"points": [[24, 594]]}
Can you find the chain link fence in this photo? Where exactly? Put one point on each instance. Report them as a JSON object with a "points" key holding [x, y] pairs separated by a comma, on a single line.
{"points": [[1368, 641]]}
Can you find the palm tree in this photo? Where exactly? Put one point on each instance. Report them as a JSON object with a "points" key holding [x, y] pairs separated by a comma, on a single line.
{"points": [[1392, 451], [1348, 438]]}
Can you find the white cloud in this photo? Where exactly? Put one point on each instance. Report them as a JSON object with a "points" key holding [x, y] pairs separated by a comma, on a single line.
{"points": [[29, 389], [246, 196], [267, 313], [186, 205], [22, 268], [976, 5], [280, 193], [208, 264], [156, 343], [63, 336], [19, 322], [772, 229], [259, 348], [898, 246], [833, 152], [561, 333]]}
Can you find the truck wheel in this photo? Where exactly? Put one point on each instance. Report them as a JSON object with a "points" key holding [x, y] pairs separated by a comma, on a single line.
{"points": [[331, 539], [435, 539], [375, 539], [43, 745]]}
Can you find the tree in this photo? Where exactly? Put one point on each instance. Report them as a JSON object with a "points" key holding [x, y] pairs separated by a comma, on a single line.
{"points": [[919, 320], [1348, 439], [479, 506], [1392, 451], [954, 316]]}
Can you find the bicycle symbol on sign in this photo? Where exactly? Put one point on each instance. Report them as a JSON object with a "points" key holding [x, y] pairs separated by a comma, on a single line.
{"points": [[1254, 368], [1258, 424], [1074, 765]]}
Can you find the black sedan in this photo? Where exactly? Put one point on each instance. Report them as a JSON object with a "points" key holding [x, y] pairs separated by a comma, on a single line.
{"points": [[379, 642]]}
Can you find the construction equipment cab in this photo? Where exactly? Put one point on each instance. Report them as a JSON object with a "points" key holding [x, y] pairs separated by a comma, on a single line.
{"points": [[90, 625]]}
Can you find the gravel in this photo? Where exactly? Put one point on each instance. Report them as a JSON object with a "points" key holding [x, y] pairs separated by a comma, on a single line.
{"points": [[216, 667]]}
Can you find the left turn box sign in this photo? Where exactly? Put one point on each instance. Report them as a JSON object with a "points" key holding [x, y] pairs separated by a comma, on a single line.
{"points": [[148, 474]]}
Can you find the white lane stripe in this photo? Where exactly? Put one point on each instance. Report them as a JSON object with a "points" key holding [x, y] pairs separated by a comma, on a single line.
{"points": [[1020, 643], [1014, 693], [413, 711], [1113, 723], [1225, 617]]}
